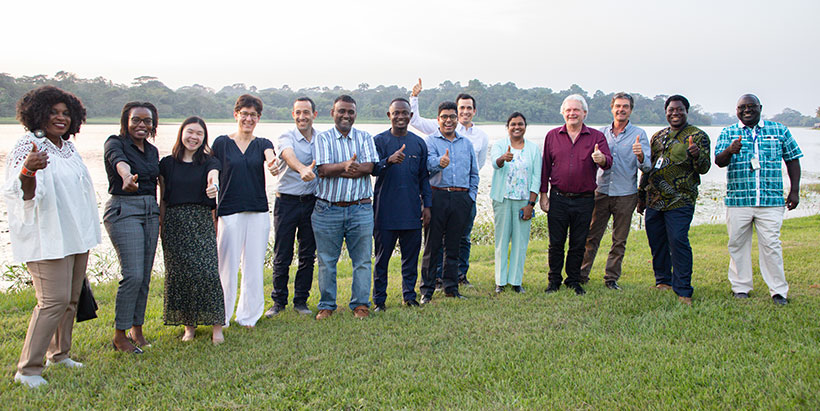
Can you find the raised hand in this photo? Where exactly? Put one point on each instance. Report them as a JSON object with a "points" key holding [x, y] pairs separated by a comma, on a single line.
{"points": [[307, 172], [736, 145], [444, 161], [693, 149], [351, 166], [416, 89], [397, 157], [131, 184], [35, 160], [598, 157], [508, 156], [637, 150], [213, 188]]}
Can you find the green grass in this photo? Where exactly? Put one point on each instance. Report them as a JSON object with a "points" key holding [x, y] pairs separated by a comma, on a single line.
{"points": [[638, 348]]}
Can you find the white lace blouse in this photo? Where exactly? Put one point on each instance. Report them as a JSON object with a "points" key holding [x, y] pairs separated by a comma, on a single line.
{"points": [[62, 218]]}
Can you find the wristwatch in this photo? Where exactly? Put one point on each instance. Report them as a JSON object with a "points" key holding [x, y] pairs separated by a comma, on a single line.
{"points": [[531, 203]]}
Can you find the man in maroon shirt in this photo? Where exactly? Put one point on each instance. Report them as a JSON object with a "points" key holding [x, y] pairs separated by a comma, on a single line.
{"points": [[572, 155]]}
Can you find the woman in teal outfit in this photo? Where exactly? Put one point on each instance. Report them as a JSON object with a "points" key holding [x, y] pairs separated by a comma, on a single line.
{"points": [[516, 181]]}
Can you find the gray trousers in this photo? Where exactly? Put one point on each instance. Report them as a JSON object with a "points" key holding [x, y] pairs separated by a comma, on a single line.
{"points": [[132, 223]]}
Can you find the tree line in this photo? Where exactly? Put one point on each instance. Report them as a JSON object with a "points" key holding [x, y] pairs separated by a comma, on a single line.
{"points": [[495, 102]]}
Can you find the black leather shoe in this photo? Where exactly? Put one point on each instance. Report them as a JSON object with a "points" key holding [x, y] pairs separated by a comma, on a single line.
{"points": [[553, 287], [578, 289], [519, 289], [379, 307], [425, 300], [439, 285], [779, 299], [464, 282], [411, 303], [741, 296], [584, 280], [276, 309], [455, 295], [612, 285], [499, 289]]}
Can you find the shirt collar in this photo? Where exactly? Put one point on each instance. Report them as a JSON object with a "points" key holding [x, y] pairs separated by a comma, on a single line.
{"points": [[438, 134], [584, 129], [298, 134], [338, 134], [759, 123]]}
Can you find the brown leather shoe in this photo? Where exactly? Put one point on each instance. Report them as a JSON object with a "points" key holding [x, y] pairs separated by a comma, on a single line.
{"points": [[662, 287], [685, 300], [361, 312], [324, 314]]}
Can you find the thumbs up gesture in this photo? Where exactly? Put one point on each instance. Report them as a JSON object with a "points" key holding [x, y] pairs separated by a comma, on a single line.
{"points": [[398, 156], [130, 184], [598, 157], [351, 166], [35, 160], [693, 149], [508, 156], [213, 188], [736, 145], [273, 166], [306, 173], [444, 161], [637, 149], [416, 89]]}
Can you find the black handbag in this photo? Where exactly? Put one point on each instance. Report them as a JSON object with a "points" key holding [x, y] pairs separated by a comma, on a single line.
{"points": [[86, 305]]}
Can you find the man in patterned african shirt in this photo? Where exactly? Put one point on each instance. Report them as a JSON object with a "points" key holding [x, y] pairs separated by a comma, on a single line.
{"points": [[668, 192], [753, 149]]}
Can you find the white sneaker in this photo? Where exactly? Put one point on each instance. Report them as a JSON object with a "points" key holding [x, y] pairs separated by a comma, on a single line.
{"points": [[31, 381], [67, 362]]}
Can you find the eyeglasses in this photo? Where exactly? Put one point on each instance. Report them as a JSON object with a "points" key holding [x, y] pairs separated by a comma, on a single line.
{"points": [[744, 107], [148, 121], [448, 116], [245, 114]]}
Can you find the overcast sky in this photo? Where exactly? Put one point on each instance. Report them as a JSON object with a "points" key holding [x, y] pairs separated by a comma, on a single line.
{"points": [[709, 51]]}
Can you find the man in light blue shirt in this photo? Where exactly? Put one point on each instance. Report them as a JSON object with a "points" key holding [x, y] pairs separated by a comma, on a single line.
{"points": [[617, 192], [466, 107], [453, 170], [293, 208], [344, 211]]}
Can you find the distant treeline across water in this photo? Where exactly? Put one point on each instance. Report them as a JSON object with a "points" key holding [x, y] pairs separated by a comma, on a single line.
{"points": [[495, 102]]}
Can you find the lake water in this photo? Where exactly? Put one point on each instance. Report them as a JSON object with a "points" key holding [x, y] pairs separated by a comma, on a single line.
{"points": [[710, 206]]}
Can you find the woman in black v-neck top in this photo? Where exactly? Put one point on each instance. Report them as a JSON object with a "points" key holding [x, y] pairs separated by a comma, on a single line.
{"points": [[244, 222]]}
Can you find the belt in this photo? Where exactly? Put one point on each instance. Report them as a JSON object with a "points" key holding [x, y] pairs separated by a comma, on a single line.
{"points": [[305, 198], [450, 188], [351, 203], [587, 194]]}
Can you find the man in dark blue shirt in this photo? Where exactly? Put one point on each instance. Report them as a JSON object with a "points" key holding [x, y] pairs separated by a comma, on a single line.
{"points": [[402, 202]]}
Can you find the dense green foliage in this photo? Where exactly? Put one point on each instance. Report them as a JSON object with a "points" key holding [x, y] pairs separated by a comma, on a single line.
{"points": [[635, 349]]}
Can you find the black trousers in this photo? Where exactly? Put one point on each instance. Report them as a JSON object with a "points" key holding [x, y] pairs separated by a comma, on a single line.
{"points": [[450, 215], [568, 215], [410, 245], [291, 220]]}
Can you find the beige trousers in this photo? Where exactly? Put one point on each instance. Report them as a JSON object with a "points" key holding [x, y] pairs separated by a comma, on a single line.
{"points": [[767, 222], [57, 284]]}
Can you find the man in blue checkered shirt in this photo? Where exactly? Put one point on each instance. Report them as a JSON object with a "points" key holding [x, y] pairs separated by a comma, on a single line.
{"points": [[753, 149]]}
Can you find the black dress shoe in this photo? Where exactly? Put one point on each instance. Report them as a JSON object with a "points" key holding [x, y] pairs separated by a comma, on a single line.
{"points": [[584, 280], [425, 300], [411, 303], [779, 299], [276, 309], [499, 289], [455, 295], [379, 307], [578, 289], [612, 285], [519, 289], [553, 287], [741, 296], [463, 281], [439, 285]]}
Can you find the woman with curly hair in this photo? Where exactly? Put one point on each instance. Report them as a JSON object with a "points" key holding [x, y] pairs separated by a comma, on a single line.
{"points": [[188, 184], [131, 217], [53, 223]]}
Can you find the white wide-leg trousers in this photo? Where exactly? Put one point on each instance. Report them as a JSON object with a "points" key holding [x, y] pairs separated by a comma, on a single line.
{"points": [[243, 237]]}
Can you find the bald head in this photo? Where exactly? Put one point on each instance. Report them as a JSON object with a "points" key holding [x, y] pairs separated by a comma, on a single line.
{"points": [[748, 110]]}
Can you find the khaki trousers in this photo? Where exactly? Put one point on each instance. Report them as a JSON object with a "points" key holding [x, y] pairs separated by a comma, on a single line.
{"points": [[620, 208], [767, 222], [57, 284]]}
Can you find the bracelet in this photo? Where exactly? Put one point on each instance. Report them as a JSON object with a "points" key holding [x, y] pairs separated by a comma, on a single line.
{"points": [[531, 203], [26, 172], [216, 185]]}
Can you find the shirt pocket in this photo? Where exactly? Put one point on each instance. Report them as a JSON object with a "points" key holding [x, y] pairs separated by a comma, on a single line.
{"points": [[769, 148]]}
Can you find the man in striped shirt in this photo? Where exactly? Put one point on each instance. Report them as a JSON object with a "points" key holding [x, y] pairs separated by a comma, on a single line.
{"points": [[344, 211], [754, 150]]}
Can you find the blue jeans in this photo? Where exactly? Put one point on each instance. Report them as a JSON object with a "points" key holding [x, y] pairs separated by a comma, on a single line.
{"points": [[668, 234], [354, 226], [463, 250]]}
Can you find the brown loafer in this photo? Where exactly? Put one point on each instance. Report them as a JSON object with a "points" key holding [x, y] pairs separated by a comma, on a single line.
{"points": [[324, 314], [685, 300], [361, 312], [662, 287]]}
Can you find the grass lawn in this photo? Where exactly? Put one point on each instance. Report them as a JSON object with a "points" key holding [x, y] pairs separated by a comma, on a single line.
{"points": [[638, 348]]}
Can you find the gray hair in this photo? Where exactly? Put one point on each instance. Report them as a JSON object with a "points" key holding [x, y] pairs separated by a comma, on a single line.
{"points": [[622, 95], [577, 97]]}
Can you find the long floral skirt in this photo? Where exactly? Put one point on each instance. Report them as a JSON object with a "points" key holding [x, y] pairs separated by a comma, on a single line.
{"points": [[193, 292]]}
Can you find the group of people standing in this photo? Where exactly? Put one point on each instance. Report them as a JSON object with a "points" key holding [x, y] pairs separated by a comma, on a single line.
{"points": [[213, 215]]}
